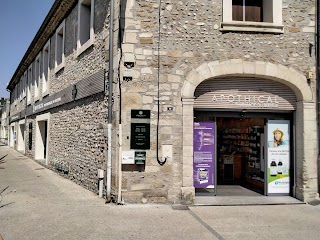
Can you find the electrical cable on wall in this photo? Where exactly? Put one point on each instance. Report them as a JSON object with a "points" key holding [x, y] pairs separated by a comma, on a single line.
{"points": [[161, 163]]}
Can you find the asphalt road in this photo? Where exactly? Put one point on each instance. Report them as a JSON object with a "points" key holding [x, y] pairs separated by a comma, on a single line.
{"points": [[39, 204]]}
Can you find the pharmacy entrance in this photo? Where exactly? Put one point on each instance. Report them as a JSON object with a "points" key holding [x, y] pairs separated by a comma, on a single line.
{"points": [[243, 154], [243, 138]]}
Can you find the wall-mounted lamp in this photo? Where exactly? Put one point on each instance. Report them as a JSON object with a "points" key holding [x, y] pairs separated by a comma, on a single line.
{"points": [[309, 76], [74, 92], [129, 60]]}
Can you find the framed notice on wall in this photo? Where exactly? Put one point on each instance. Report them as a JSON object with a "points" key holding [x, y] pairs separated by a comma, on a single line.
{"points": [[140, 129], [140, 136], [203, 154]]}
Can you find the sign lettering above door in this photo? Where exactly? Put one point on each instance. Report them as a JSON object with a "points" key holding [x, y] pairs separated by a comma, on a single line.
{"points": [[47, 104], [244, 93], [262, 101]]}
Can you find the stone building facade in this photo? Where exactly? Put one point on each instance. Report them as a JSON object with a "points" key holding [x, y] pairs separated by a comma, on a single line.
{"points": [[4, 125], [58, 102], [178, 45], [168, 57]]}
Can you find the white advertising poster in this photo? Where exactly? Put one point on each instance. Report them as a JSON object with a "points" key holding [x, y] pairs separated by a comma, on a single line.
{"points": [[279, 156]]}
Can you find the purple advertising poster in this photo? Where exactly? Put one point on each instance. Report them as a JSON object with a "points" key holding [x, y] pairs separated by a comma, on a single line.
{"points": [[203, 154]]}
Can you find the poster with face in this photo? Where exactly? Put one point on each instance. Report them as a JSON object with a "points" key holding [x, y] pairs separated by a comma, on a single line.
{"points": [[203, 154], [279, 156]]}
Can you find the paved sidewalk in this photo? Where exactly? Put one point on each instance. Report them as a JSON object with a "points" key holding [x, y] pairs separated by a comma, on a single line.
{"points": [[39, 204]]}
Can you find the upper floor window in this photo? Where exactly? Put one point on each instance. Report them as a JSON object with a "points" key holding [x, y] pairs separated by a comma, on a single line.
{"points": [[15, 94], [45, 68], [18, 91], [12, 97], [37, 75], [29, 84], [252, 16], [59, 51], [85, 25], [247, 10], [24, 84], [20, 86]]}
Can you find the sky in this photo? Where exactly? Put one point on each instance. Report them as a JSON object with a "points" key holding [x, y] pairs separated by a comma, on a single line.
{"points": [[20, 20]]}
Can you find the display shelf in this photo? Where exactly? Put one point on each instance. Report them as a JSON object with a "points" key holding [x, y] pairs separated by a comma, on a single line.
{"points": [[247, 142], [226, 143], [244, 139], [241, 142], [241, 138]]}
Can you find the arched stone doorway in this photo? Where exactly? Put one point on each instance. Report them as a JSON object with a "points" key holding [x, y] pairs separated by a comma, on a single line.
{"points": [[306, 144]]}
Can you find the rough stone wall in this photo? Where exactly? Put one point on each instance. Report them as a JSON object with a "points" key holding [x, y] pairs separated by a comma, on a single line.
{"points": [[77, 140], [189, 36]]}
